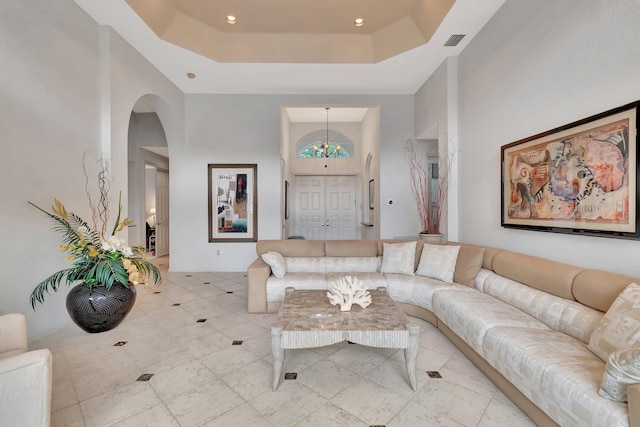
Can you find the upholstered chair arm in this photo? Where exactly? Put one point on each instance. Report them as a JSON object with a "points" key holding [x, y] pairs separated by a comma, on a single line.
{"points": [[25, 389], [13, 334], [633, 396], [257, 275]]}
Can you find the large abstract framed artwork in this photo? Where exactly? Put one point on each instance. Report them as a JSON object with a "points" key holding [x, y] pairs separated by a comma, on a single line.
{"points": [[233, 208], [580, 178]]}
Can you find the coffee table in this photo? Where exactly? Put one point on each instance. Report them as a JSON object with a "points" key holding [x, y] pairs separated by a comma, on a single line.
{"points": [[307, 320]]}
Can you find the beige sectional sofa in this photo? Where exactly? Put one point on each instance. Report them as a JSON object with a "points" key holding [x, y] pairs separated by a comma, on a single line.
{"points": [[524, 321]]}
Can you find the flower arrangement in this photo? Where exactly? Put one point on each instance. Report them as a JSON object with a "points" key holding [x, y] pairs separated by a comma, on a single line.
{"points": [[98, 259]]}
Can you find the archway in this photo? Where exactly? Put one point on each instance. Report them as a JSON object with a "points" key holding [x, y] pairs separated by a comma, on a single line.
{"points": [[148, 170]]}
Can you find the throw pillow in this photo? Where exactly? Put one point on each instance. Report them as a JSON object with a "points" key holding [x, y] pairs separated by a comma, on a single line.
{"points": [[438, 261], [398, 258], [468, 265], [622, 369], [276, 262], [619, 329]]}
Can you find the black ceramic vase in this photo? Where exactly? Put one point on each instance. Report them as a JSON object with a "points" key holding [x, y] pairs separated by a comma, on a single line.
{"points": [[96, 309]]}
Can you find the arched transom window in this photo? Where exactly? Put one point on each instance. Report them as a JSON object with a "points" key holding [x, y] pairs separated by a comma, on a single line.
{"points": [[312, 145]]}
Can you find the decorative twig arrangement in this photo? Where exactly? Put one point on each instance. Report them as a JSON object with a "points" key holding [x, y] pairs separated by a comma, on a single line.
{"points": [[421, 185]]}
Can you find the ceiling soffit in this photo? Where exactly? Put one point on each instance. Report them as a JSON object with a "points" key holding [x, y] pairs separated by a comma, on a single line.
{"points": [[294, 31]]}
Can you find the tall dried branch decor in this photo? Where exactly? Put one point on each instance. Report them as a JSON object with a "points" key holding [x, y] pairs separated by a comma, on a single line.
{"points": [[99, 257], [421, 185]]}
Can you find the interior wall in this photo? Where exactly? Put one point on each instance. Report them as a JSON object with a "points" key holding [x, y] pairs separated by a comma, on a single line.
{"points": [[247, 129], [49, 117], [397, 220], [61, 81], [436, 104], [431, 104], [285, 139], [536, 66], [371, 146]]}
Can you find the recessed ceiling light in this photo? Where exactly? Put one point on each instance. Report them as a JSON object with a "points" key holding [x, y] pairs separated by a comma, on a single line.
{"points": [[231, 19], [358, 22], [191, 75]]}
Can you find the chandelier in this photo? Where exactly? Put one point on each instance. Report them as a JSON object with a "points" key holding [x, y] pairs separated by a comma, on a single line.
{"points": [[325, 149]]}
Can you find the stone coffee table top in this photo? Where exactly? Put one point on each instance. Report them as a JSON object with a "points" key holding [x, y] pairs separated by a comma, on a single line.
{"points": [[307, 310]]}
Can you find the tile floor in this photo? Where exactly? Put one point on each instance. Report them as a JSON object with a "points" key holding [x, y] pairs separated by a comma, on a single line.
{"points": [[199, 378]]}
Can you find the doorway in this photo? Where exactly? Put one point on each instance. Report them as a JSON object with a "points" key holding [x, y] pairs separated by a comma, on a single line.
{"points": [[324, 207], [148, 186]]}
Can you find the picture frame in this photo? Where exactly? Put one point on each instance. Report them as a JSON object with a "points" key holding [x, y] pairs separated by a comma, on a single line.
{"points": [[580, 178], [233, 206], [371, 193]]}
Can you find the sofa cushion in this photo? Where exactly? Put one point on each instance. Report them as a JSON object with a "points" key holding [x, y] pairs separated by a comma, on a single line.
{"points": [[310, 264], [481, 279], [438, 262], [558, 313], [301, 248], [417, 290], [622, 369], [398, 258], [556, 372], [276, 262], [472, 314], [416, 257], [598, 289], [549, 276], [372, 280], [352, 264], [276, 287], [351, 248], [620, 327], [468, 264]]}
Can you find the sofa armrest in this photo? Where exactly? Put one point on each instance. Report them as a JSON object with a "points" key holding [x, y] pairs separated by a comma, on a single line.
{"points": [[633, 396], [13, 333], [25, 389], [257, 275]]}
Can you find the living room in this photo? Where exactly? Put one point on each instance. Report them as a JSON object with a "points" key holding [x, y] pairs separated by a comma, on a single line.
{"points": [[69, 86]]}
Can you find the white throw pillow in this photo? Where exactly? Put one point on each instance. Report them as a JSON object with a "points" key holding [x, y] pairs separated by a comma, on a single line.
{"points": [[622, 369], [619, 329], [276, 262], [398, 258], [438, 262]]}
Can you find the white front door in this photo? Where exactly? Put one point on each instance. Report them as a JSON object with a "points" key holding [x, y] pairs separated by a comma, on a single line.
{"points": [[324, 207], [162, 213]]}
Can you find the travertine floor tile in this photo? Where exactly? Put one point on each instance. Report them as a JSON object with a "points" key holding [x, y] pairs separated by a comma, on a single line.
{"points": [[370, 402], [502, 414], [240, 416], [331, 415], [289, 405], [441, 403], [204, 403], [119, 404], [67, 417], [180, 379]]}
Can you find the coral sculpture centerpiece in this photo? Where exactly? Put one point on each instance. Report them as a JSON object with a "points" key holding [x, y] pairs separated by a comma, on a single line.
{"points": [[348, 291]]}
